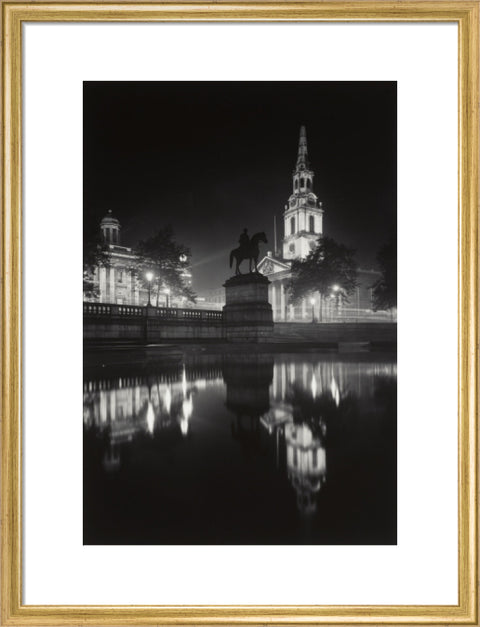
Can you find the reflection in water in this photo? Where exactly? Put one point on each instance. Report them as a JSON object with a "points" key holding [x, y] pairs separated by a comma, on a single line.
{"points": [[288, 415], [247, 379], [307, 465], [131, 405]]}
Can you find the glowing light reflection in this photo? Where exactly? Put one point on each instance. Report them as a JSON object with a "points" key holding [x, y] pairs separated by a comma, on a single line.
{"points": [[150, 417], [187, 408], [184, 382], [168, 400], [335, 391]]}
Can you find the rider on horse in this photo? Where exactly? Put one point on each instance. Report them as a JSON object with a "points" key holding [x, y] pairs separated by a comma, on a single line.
{"points": [[248, 249], [244, 240]]}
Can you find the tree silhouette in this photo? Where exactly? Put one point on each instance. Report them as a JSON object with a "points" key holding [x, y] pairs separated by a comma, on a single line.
{"points": [[329, 266], [385, 289], [168, 261]]}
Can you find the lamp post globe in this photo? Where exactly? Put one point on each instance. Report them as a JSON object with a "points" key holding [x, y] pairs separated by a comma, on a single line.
{"points": [[312, 302]]}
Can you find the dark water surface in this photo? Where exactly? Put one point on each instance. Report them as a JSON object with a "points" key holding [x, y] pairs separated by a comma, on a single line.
{"points": [[201, 448]]}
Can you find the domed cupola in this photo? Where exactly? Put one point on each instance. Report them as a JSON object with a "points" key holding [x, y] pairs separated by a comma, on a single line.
{"points": [[110, 227]]}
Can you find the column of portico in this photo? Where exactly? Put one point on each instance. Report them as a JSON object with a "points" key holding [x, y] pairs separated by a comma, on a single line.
{"points": [[273, 303], [282, 301], [102, 280], [304, 308], [112, 285], [136, 289], [131, 299]]}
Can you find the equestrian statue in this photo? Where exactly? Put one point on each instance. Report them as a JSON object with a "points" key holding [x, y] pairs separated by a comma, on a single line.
{"points": [[248, 249]]}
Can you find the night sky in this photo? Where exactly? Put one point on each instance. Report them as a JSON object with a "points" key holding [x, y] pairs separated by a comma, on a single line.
{"points": [[211, 158]]}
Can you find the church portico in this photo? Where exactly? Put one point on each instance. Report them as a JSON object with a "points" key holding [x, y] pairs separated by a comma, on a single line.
{"points": [[278, 294], [283, 309]]}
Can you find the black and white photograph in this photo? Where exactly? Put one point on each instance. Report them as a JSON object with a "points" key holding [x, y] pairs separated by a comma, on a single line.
{"points": [[240, 313]]}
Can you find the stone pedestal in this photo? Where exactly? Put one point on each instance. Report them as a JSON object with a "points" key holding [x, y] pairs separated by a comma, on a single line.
{"points": [[247, 314]]}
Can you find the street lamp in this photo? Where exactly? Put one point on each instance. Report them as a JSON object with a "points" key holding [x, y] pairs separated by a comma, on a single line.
{"points": [[312, 302], [149, 277], [167, 292]]}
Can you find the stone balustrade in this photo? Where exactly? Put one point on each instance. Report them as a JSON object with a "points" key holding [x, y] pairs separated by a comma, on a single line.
{"points": [[239, 322], [104, 310], [108, 323]]}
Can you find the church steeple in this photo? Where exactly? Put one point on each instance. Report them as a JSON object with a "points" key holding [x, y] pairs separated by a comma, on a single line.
{"points": [[302, 175], [303, 216], [302, 158]]}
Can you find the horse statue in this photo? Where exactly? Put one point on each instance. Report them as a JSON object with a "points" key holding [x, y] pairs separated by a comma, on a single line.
{"points": [[250, 252]]}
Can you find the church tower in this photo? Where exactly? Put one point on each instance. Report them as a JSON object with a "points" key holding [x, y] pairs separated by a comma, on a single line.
{"points": [[303, 215]]}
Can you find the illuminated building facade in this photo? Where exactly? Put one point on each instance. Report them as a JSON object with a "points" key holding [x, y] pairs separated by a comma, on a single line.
{"points": [[117, 282]]}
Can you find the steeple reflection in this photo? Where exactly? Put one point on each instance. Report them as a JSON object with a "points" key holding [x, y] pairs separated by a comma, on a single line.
{"points": [[292, 415], [307, 465]]}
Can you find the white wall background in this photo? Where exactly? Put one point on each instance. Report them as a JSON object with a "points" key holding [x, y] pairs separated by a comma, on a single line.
{"points": [[422, 569]]}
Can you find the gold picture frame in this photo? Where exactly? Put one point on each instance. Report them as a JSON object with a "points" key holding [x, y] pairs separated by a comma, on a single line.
{"points": [[466, 15]]}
